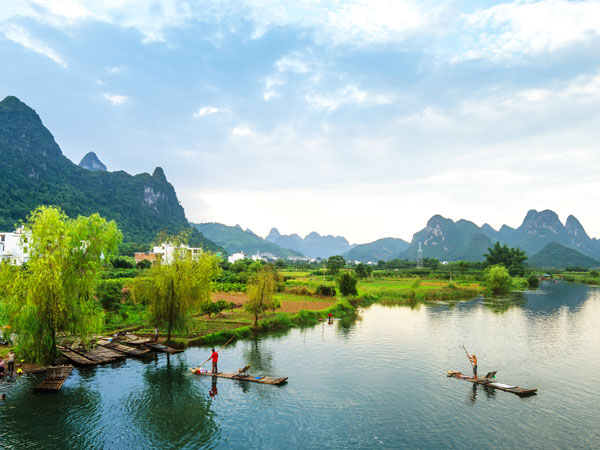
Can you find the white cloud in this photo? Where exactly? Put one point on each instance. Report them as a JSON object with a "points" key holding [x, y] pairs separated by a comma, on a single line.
{"points": [[20, 35], [530, 27], [112, 69], [116, 99], [348, 95], [206, 110], [242, 130]]}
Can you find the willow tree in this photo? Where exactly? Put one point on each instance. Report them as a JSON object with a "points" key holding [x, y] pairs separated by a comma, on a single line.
{"points": [[53, 293], [260, 291], [174, 290]]}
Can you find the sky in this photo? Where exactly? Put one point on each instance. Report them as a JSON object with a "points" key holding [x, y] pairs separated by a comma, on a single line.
{"points": [[360, 118]]}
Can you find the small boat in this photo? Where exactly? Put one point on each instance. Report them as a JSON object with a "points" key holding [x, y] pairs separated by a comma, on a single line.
{"points": [[252, 378], [488, 380]]}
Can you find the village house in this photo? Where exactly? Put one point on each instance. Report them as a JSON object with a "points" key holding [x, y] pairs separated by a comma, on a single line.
{"points": [[236, 257], [166, 253], [14, 246]]}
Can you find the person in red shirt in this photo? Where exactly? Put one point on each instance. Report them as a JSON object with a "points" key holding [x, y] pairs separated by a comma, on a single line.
{"points": [[215, 359]]}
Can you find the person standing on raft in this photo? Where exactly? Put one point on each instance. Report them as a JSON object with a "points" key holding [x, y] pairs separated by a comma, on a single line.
{"points": [[473, 360], [215, 359]]}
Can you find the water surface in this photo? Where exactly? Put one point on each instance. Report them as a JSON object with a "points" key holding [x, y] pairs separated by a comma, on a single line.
{"points": [[377, 381]]}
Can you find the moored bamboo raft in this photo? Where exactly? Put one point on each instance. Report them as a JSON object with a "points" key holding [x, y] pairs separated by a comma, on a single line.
{"points": [[132, 339], [76, 357], [164, 348], [489, 382], [131, 351], [100, 355], [55, 378], [252, 378]]}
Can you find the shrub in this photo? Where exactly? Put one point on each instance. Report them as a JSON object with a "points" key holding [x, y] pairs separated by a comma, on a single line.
{"points": [[326, 291], [532, 281], [498, 279], [347, 283]]}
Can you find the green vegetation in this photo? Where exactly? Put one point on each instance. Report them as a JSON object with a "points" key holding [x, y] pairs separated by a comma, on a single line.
{"points": [[172, 291], [260, 293], [512, 259], [334, 264], [346, 282], [53, 293], [498, 279]]}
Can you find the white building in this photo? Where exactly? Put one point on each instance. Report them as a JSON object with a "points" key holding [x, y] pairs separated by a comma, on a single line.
{"points": [[14, 246], [167, 252], [236, 257]]}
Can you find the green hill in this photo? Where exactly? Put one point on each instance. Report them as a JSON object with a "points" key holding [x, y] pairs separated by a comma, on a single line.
{"points": [[382, 249], [554, 255], [234, 239], [35, 172]]}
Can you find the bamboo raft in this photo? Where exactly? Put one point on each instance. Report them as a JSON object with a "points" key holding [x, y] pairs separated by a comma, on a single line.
{"points": [[134, 340], [76, 358], [252, 378], [489, 382], [130, 351], [55, 378], [164, 348]]}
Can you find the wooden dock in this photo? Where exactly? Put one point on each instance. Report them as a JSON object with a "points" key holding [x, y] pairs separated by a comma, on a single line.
{"points": [[252, 378], [130, 351], [164, 348], [489, 382], [55, 378]]}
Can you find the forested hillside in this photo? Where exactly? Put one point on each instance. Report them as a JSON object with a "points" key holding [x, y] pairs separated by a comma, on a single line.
{"points": [[35, 172]]}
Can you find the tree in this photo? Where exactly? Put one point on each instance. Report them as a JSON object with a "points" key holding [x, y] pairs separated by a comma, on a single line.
{"points": [[498, 279], [260, 291], [335, 263], [361, 271], [275, 304], [172, 291], [347, 283], [511, 258], [54, 292]]}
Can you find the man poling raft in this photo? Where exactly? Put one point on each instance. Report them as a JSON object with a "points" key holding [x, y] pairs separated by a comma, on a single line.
{"points": [[473, 361]]}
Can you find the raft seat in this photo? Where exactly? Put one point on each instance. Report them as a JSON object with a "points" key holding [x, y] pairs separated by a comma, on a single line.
{"points": [[243, 372]]}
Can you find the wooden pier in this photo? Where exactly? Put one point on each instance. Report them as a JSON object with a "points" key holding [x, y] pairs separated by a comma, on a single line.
{"points": [[55, 378], [252, 378], [76, 358]]}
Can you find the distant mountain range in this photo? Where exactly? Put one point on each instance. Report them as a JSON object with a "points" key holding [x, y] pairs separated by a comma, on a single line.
{"points": [[554, 255], [380, 250], [447, 240], [235, 239], [33, 172], [312, 245]]}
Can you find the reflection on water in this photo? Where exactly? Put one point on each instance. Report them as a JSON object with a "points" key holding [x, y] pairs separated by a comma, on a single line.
{"points": [[379, 381]]}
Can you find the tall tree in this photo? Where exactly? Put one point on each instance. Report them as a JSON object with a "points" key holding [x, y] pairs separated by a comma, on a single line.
{"points": [[511, 258], [347, 283], [335, 263], [498, 279], [53, 293], [260, 292], [173, 291]]}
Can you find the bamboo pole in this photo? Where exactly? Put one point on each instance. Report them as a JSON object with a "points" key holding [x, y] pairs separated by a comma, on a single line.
{"points": [[232, 338], [466, 353]]}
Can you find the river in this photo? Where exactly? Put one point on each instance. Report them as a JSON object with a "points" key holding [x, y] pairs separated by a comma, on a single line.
{"points": [[375, 382]]}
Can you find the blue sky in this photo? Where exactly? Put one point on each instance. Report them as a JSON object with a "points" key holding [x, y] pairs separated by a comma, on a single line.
{"points": [[358, 118]]}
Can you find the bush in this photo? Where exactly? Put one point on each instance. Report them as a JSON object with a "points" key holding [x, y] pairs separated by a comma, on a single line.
{"points": [[122, 263], [347, 284], [143, 264], [220, 305], [594, 273], [209, 308], [326, 291], [498, 279], [110, 294], [532, 281]]}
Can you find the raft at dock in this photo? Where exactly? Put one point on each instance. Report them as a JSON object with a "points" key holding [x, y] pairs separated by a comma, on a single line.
{"points": [[55, 378], [130, 351], [489, 382], [164, 348], [252, 378], [76, 358]]}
